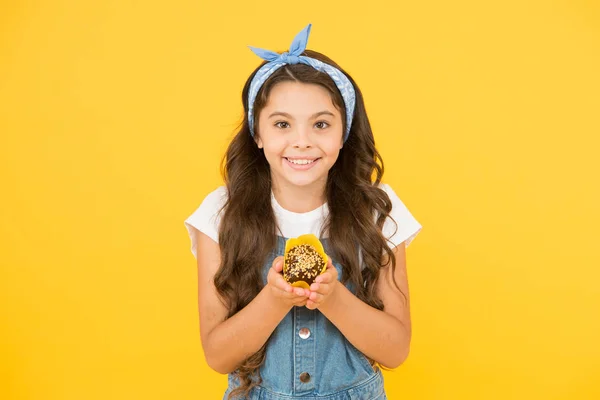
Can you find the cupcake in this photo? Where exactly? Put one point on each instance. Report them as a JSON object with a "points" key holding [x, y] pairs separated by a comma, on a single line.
{"points": [[304, 259]]}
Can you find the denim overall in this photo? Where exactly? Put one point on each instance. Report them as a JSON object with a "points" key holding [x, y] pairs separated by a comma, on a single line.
{"points": [[307, 357]]}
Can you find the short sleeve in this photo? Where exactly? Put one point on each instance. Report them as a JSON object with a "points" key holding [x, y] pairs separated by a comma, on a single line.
{"points": [[206, 217], [407, 226]]}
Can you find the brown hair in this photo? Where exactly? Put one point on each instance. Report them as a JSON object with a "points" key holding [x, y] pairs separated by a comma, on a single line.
{"points": [[352, 197]]}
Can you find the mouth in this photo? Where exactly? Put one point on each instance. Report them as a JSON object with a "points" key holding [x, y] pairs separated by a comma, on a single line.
{"points": [[301, 163]]}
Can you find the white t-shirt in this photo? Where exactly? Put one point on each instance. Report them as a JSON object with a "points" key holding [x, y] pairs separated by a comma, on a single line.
{"points": [[206, 219]]}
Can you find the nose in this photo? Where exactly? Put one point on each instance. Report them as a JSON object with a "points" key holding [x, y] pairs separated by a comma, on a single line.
{"points": [[301, 138]]}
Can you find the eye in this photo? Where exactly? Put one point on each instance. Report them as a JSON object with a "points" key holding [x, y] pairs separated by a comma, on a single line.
{"points": [[323, 122], [277, 124]]}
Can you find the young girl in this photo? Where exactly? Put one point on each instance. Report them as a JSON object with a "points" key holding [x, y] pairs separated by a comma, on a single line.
{"points": [[303, 162]]}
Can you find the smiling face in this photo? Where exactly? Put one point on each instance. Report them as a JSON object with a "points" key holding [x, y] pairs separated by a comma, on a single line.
{"points": [[300, 131]]}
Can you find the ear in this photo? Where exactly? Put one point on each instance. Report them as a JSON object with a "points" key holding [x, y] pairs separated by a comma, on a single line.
{"points": [[259, 142]]}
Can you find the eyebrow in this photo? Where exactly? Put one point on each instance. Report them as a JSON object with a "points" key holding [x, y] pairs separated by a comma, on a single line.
{"points": [[315, 115]]}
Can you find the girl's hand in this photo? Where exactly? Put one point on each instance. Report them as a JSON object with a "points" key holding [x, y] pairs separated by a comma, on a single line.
{"points": [[290, 296], [323, 286]]}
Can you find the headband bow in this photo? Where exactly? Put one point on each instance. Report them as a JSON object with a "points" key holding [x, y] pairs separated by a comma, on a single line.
{"points": [[293, 56]]}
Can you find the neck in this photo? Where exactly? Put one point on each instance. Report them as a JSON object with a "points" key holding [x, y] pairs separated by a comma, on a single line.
{"points": [[300, 199]]}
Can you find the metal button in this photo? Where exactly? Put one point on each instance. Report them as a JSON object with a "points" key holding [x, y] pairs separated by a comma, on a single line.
{"points": [[304, 333], [304, 377]]}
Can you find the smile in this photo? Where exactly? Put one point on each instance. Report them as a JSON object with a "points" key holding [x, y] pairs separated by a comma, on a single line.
{"points": [[301, 164]]}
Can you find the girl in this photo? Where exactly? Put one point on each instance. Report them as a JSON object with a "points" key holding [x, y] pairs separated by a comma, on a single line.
{"points": [[303, 162]]}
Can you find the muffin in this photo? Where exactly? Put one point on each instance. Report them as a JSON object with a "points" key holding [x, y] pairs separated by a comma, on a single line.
{"points": [[304, 259]]}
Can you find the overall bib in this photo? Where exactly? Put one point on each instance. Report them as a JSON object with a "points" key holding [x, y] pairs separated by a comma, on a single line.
{"points": [[307, 357]]}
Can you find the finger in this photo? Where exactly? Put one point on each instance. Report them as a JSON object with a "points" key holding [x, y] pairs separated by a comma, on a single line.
{"points": [[329, 263], [297, 293], [283, 296], [322, 288], [316, 297], [300, 303], [330, 266], [300, 292], [311, 305], [291, 296], [281, 284], [325, 277], [278, 264]]}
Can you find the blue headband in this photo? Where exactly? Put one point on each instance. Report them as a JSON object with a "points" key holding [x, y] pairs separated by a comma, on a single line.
{"points": [[277, 60]]}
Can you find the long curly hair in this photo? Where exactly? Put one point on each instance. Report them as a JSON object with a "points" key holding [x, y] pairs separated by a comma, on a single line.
{"points": [[358, 208]]}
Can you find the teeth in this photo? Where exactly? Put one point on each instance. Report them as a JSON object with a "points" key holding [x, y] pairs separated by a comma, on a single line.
{"points": [[301, 162]]}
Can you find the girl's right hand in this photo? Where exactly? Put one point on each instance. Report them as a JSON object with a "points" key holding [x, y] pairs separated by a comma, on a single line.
{"points": [[286, 293]]}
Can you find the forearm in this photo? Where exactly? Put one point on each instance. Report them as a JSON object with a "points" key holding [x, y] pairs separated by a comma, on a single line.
{"points": [[242, 335], [375, 333]]}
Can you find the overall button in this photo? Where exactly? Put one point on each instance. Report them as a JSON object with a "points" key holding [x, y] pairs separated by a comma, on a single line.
{"points": [[304, 377], [304, 333]]}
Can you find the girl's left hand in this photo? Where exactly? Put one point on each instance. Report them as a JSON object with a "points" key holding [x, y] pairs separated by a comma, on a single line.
{"points": [[323, 286]]}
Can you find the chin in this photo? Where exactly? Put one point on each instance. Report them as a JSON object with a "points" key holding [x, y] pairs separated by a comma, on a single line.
{"points": [[301, 179], [306, 181]]}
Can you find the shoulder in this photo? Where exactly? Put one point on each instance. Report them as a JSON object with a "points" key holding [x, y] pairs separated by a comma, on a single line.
{"points": [[388, 189], [400, 226], [212, 203], [207, 216], [216, 198], [397, 203]]}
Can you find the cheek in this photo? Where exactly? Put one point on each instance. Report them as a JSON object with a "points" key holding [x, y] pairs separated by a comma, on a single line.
{"points": [[332, 156], [331, 148], [274, 148]]}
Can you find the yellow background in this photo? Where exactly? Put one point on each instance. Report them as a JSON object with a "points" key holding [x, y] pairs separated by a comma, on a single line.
{"points": [[113, 119]]}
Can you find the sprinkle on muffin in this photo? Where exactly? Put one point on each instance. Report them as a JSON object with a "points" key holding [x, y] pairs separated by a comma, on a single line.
{"points": [[304, 263]]}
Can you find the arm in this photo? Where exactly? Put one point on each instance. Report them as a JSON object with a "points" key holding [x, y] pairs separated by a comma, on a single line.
{"points": [[382, 335], [228, 342]]}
